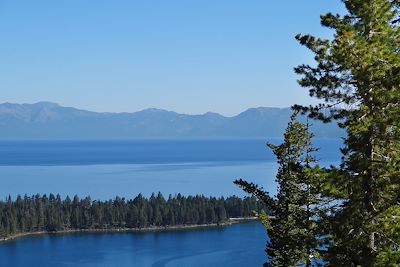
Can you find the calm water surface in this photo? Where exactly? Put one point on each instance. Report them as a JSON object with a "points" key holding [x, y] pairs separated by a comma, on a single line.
{"points": [[237, 245], [104, 169]]}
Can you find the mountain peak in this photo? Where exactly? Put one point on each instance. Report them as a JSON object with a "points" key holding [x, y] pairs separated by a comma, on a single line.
{"points": [[45, 104], [264, 109], [212, 114], [154, 110]]}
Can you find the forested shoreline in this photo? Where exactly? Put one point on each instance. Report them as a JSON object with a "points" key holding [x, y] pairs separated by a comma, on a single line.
{"points": [[46, 214]]}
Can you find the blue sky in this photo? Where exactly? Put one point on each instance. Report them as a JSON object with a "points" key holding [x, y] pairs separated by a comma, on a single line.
{"points": [[188, 56]]}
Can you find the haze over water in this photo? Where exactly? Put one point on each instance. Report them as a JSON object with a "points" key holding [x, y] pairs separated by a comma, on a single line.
{"points": [[105, 169]]}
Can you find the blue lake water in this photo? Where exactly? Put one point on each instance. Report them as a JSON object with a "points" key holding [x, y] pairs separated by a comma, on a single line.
{"points": [[237, 245], [105, 169]]}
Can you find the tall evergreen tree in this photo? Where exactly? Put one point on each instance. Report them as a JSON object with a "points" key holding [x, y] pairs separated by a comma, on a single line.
{"points": [[293, 222], [357, 79]]}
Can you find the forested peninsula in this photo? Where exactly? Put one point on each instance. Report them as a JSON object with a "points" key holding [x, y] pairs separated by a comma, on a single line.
{"points": [[51, 214]]}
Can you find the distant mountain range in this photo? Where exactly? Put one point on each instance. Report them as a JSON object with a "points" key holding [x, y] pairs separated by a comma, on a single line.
{"points": [[45, 120]]}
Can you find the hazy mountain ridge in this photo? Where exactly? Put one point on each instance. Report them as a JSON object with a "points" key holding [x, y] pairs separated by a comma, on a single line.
{"points": [[46, 120]]}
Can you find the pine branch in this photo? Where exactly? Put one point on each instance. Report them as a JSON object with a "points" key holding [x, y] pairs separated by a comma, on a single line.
{"points": [[256, 191]]}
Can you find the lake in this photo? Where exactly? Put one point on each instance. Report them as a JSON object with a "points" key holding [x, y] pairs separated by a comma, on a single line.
{"points": [[236, 245], [104, 169]]}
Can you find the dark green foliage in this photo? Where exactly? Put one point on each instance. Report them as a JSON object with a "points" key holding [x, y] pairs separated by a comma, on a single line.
{"points": [[357, 79], [42, 213], [292, 224]]}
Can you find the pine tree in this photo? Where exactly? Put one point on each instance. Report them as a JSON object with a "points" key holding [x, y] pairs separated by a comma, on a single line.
{"points": [[357, 79], [292, 226]]}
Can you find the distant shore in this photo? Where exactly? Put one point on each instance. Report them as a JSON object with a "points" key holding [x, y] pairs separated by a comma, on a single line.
{"points": [[133, 230]]}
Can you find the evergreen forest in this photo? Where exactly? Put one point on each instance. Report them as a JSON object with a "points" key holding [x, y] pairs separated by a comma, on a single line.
{"points": [[51, 213]]}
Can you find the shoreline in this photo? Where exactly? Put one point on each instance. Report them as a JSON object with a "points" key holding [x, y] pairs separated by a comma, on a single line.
{"points": [[229, 222]]}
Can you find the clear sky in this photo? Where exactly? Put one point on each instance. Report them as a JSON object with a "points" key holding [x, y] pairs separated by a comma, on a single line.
{"points": [[190, 56]]}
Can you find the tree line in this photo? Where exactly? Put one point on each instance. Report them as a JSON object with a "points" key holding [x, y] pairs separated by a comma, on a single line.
{"points": [[347, 215], [52, 213]]}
